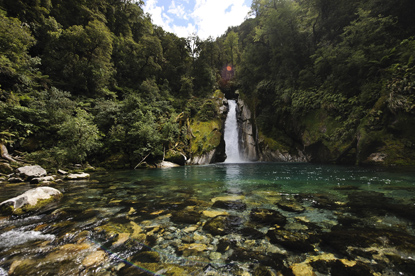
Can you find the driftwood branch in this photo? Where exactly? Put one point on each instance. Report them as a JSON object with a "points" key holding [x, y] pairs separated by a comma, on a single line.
{"points": [[141, 162], [5, 154]]}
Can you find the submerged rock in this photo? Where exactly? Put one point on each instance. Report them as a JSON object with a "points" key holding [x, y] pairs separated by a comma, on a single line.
{"points": [[32, 200], [267, 216], [94, 259], [293, 241], [290, 205], [230, 205], [29, 172], [186, 216], [223, 225]]}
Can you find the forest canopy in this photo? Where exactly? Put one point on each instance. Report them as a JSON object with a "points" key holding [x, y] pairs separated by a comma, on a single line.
{"points": [[97, 81]]}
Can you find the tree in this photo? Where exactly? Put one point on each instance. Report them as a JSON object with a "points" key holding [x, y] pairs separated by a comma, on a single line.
{"points": [[79, 136], [79, 59]]}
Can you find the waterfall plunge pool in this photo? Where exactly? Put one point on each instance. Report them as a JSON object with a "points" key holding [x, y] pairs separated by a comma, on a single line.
{"points": [[219, 219]]}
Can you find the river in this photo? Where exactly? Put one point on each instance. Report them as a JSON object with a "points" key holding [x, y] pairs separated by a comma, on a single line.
{"points": [[219, 219]]}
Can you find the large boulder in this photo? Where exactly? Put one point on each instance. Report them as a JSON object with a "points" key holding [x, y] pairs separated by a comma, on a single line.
{"points": [[29, 172], [31, 201]]}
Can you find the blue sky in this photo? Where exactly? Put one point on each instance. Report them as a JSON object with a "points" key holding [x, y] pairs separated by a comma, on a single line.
{"points": [[202, 17]]}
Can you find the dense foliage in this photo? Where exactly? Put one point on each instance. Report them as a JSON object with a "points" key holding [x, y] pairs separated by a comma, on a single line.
{"points": [[96, 80], [333, 78]]}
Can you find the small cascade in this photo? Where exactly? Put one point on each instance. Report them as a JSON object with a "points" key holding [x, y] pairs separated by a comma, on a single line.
{"points": [[231, 135]]}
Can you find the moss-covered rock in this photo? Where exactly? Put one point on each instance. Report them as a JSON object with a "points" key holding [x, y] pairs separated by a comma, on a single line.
{"points": [[33, 200]]}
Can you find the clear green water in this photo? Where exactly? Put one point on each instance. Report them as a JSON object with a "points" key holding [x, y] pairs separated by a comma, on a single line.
{"points": [[358, 221]]}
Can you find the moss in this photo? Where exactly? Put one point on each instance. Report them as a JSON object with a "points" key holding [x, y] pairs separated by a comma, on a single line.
{"points": [[273, 144], [207, 136], [41, 203]]}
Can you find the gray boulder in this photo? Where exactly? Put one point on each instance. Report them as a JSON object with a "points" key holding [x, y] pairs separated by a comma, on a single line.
{"points": [[29, 172], [31, 201]]}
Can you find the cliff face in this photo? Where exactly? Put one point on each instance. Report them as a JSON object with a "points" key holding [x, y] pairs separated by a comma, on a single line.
{"points": [[247, 133], [255, 146]]}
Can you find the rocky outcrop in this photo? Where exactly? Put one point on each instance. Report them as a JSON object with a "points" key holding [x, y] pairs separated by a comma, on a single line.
{"points": [[29, 172], [31, 201]]}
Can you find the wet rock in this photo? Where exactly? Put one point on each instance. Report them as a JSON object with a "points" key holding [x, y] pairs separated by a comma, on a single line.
{"points": [[230, 205], [212, 214], [302, 269], [340, 268], [5, 168], [33, 200], [225, 244], [62, 172], [15, 180], [94, 259], [290, 205], [38, 180], [267, 216], [186, 216], [146, 257], [29, 172], [368, 203], [77, 176], [223, 225], [251, 233], [192, 249], [292, 241], [228, 198], [321, 201]]}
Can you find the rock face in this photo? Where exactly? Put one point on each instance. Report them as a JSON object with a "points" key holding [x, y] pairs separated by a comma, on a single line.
{"points": [[247, 133], [29, 172], [31, 200], [253, 147], [204, 159]]}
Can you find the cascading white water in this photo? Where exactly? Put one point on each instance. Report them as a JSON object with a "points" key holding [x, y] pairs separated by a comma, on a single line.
{"points": [[231, 135]]}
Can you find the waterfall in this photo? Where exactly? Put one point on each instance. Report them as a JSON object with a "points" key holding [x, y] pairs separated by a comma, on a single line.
{"points": [[231, 135]]}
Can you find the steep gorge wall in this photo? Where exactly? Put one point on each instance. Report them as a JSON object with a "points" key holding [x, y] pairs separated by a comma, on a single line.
{"points": [[256, 146]]}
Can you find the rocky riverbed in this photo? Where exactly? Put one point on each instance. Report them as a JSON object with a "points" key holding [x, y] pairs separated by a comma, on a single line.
{"points": [[145, 227]]}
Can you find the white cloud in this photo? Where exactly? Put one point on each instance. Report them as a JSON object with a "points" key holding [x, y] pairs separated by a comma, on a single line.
{"points": [[206, 18], [212, 19], [182, 31], [158, 16], [178, 11]]}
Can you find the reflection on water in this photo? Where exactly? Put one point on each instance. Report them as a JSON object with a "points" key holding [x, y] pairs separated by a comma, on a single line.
{"points": [[220, 219]]}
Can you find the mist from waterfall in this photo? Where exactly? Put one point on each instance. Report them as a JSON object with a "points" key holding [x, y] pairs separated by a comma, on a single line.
{"points": [[231, 135]]}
